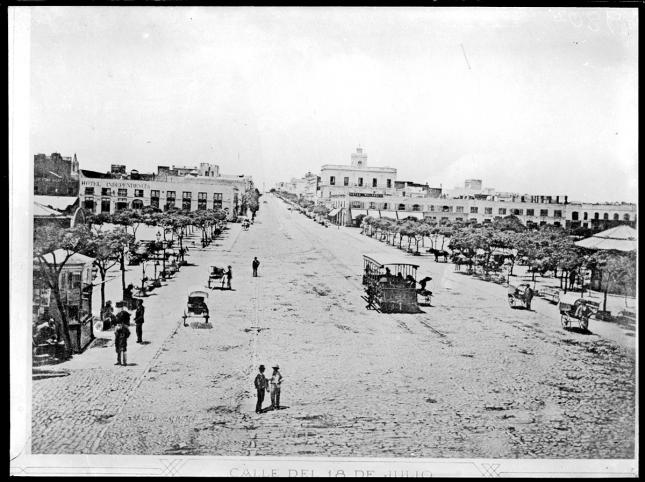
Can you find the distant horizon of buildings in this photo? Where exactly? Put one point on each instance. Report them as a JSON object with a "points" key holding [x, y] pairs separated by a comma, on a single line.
{"points": [[358, 189]]}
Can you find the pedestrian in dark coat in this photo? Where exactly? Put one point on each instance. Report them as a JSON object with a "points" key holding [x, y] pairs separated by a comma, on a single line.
{"points": [[261, 385], [138, 321], [121, 335], [229, 277], [255, 266]]}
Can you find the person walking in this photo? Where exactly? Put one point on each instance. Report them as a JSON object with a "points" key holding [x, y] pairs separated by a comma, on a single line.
{"points": [[261, 385], [138, 321], [370, 297], [229, 277], [528, 296], [122, 316], [121, 335], [275, 383], [255, 265]]}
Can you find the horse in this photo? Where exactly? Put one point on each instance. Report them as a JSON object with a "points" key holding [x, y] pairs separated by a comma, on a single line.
{"points": [[439, 253]]}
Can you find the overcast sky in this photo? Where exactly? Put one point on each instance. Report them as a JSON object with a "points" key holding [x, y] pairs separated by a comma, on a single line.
{"points": [[528, 100]]}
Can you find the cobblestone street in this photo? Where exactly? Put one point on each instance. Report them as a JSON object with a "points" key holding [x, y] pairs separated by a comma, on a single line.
{"points": [[469, 377]]}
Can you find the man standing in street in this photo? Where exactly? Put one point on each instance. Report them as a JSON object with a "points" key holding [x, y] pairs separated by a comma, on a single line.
{"points": [[261, 385], [229, 277], [138, 321], [121, 335], [255, 265], [123, 316], [275, 382]]}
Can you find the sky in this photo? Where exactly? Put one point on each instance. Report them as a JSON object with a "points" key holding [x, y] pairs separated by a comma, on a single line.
{"points": [[540, 101]]}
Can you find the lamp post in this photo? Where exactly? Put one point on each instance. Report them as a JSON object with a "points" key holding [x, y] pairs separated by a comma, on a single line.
{"points": [[163, 245]]}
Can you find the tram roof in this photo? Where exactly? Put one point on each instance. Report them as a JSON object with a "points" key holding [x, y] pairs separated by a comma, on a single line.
{"points": [[385, 260]]}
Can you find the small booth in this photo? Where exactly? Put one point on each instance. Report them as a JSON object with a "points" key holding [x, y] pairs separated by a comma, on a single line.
{"points": [[75, 284]]}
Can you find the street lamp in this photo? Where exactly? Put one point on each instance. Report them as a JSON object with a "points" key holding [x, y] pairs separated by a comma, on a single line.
{"points": [[163, 246]]}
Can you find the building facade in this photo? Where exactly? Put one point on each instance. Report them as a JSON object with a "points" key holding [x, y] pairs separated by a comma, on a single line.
{"points": [[595, 216], [357, 179], [100, 193], [55, 175]]}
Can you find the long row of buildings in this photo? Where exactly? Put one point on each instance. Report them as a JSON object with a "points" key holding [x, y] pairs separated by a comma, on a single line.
{"points": [[359, 189], [59, 181]]}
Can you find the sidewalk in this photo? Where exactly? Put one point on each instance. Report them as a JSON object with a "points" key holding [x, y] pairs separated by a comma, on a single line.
{"points": [[164, 307]]}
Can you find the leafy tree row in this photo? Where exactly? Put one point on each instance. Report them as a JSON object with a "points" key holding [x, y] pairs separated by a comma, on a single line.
{"points": [[544, 249], [53, 247]]}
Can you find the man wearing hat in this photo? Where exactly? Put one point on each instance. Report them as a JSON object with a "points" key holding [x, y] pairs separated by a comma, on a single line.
{"points": [[275, 382], [261, 385]]}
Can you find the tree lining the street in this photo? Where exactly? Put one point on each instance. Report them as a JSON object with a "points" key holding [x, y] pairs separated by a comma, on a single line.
{"points": [[543, 249]]}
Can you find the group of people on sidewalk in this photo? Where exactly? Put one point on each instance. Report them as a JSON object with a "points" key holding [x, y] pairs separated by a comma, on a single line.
{"points": [[122, 331], [271, 385]]}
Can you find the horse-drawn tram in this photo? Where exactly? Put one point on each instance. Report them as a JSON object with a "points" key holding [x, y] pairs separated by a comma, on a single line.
{"points": [[390, 285]]}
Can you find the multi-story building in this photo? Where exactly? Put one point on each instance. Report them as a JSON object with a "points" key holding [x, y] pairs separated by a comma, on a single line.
{"points": [[204, 169], [357, 179], [483, 207], [55, 175], [413, 189], [103, 193], [305, 187]]}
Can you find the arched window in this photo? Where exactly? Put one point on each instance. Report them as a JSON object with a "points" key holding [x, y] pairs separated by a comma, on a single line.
{"points": [[574, 216], [616, 217], [626, 217], [596, 216], [605, 216], [137, 204], [416, 207], [401, 207], [585, 216]]}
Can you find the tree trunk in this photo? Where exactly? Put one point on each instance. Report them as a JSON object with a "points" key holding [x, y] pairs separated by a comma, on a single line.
{"points": [[604, 302], [63, 325], [102, 288], [122, 264]]}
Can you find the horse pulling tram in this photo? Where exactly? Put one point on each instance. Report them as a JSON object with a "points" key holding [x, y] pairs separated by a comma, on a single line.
{"points": [[391, 286]]}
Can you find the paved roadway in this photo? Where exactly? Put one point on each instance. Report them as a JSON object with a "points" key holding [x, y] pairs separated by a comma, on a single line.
{"points": [[468, 378]]}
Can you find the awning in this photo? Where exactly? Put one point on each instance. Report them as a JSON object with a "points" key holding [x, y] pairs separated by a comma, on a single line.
{"points": [[358, 212], [620, 238], [388, 214], [408, 214], [334, 212], [375, 213]]}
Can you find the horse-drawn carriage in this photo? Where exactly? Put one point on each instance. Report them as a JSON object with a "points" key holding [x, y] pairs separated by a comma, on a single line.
{"points": [[574, 309], [196, 306], [391, 286], [216, 274], [520, 296]]}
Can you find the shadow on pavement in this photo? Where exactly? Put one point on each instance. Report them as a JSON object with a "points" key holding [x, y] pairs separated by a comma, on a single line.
{"points": [[580, 331], [43, 374], [271, 409]]}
